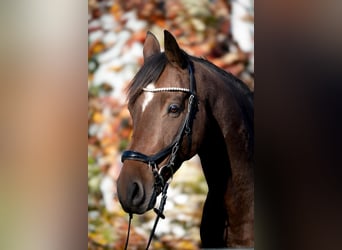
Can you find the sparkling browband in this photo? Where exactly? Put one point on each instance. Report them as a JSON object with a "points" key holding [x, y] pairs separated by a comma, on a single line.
{"points": [[170, 89]]}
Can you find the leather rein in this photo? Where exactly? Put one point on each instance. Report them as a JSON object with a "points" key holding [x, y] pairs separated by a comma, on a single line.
{"points": [[153, 161]]}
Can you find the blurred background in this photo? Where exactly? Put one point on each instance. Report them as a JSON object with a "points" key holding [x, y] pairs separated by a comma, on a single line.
{"points": [[221, 31], [44, 117]]}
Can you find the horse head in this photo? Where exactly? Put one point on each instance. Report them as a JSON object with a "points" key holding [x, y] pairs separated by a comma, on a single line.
{"points": [[167, 124]]}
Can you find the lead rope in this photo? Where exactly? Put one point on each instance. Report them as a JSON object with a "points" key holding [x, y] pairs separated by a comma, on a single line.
{"points": [[128, 230]]}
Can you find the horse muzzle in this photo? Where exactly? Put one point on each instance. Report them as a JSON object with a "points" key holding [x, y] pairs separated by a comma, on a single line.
{"points": [[135, 188]]}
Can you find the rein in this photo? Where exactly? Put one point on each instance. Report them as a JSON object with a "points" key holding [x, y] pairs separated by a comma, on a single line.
{"points": [[160, 186]]}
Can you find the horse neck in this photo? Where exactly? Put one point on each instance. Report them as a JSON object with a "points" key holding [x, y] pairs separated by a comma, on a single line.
{"points": [[228, 144], [215, 159]]}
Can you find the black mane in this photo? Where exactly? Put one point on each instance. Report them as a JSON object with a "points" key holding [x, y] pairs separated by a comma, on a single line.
{"points": [[240, 86]]}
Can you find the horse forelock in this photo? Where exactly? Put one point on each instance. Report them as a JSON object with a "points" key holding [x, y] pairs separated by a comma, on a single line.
{"points": [[148, 73]]}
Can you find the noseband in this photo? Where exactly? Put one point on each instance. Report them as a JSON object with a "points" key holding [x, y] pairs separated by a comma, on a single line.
{"points": [[154, 160]]}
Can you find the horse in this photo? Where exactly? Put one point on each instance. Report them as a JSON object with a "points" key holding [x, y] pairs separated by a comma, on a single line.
{"points": [[181, 106]]}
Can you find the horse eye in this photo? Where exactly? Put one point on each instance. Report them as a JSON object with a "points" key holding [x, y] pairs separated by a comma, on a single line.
{"points": [[174, 109]]}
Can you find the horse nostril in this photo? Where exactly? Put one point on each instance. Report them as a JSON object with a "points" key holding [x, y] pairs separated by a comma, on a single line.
{"points": [[137, 194], [135, 190]]}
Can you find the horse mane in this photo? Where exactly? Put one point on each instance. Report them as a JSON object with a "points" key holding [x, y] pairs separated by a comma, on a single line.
{"points": [[239, 85]]}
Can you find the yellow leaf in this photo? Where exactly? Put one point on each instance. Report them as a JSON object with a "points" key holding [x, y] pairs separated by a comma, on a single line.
{"points": [[98, 117]]}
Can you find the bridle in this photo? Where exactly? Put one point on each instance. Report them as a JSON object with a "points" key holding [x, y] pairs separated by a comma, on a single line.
{"points": [[154, 160], [164, 173]]}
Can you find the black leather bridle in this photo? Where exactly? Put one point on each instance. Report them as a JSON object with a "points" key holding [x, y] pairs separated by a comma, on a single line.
{"points": [[153, 161]]}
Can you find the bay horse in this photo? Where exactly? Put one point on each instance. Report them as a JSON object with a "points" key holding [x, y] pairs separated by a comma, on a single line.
{"points": [[181, 106]]}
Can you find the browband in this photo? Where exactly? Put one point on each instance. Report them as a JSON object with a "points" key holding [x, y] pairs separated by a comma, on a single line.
{"points": [[169, 89]]}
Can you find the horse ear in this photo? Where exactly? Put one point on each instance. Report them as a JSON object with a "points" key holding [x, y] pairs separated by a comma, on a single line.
{"points": [[151, 45], [173, 53]]}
